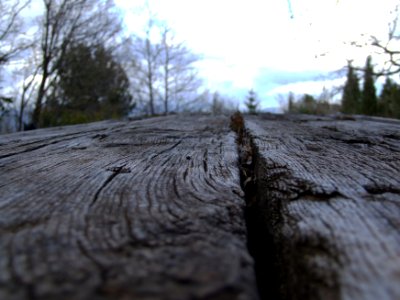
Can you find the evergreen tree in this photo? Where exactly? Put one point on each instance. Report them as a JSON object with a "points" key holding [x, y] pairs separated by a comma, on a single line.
{"points": [[291, 102], [351, 93], [217, 105], [307, 105], [396, 104], [4, 102], [91, 86], [251, 102], [387, 98], [369, 103]]}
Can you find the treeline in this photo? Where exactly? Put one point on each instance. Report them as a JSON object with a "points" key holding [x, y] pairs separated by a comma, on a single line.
{"points": [[309, 104], [358, 96], [91, 86], [365, 100], [79, 64]]}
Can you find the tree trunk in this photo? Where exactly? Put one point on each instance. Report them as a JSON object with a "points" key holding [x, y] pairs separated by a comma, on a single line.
{"points": [[166, 74], [150, 76], [36, 116], [166, 89]]}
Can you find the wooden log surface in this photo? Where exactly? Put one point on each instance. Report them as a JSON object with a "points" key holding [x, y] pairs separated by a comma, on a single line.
{"points": [[148, 209], [153, 209], [328, 192]]}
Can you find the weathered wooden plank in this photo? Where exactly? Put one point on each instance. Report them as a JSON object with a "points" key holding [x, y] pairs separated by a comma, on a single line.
{"points": [[149, 209], [328, 191]]}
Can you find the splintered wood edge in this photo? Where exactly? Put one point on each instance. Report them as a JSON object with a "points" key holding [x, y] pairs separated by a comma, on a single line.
{"points": [[330, 193]]}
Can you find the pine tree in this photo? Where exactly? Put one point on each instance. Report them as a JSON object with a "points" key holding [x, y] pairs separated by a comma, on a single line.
{"points": [[369, 103], [291, 102], [91, 86], [387, 98], [4, 102], [396, 104], [351, 93], [217, 105], [307, 104], [251, 102]]}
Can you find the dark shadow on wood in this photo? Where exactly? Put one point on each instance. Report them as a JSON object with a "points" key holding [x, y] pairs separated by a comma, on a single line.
{"points": [[259, 239]]}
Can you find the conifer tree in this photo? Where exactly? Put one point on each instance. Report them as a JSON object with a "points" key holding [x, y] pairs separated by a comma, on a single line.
{"points": [[91, 86], [396, 104], [251, 102], [351, 93], [368, 98], [387, 98], [291, 102]]}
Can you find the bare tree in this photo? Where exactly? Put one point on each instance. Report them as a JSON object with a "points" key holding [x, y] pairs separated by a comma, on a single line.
{"points": [[27, 91], [68, 22], [146, 66], [164, 71], [167, 57], [12, 41], [387, 47], [177, 67]]}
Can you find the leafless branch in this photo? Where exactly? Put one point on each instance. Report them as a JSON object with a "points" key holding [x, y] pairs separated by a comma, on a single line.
{"points": [[11, 42], [69, 22]]}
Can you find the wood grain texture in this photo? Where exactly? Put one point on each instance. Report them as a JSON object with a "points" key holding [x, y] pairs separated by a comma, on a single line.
{"points": [[149, 209], [329, 190]]}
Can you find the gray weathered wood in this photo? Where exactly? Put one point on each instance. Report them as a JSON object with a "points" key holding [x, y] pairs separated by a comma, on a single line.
{"points": [[329, 189], [149, 209], [153, 209]]}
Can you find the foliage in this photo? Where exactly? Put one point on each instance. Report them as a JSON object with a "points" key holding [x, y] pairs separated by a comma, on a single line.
{"points": [[368, 98], [216, 105], [291, 101], [65, 23], [220, 103], [389, 99], [351, 99], [308, 104], [4, 101], [366, 101], [161, 69], [251, 102], [91, 86]]}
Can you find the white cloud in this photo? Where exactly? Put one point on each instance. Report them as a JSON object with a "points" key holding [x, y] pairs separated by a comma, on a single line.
{"points": [[307, 87], [238, 38]]}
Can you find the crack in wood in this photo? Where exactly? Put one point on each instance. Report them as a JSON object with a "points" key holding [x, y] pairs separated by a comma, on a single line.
{"points": [[71, 136], [328, 213], [259, 240], [115, 171], [127, 223], [167, 149], [322, 216], [378, 190]]}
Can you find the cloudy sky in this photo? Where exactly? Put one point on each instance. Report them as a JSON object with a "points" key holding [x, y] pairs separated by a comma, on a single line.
{"points": [[273, 46]]}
